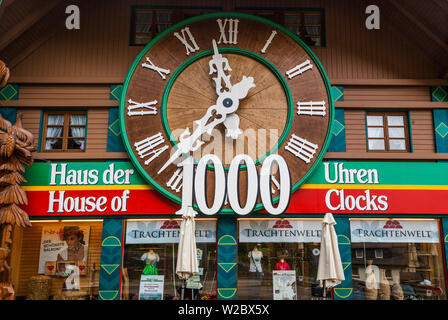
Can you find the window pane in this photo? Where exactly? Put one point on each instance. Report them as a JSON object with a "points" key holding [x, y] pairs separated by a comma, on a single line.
{"points": [[75, 144], [53, 144], [374, 120], [292, 19], [151, 251], [376, 144], [78, 120], [312, 18], [143, 28], [396, 132], [375, 132], [395, 120], [163, 17], [143, 17], [55, 120], [410, 266], [396, 144]]}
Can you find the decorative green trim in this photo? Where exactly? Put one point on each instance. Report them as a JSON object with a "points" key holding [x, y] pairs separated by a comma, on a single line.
{"points": [[245, 53], [111, 241], [10, 92], [224, 15], [439, 94], [115, 92]]}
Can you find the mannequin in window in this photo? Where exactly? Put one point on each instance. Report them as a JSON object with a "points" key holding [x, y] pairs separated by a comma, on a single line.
{"points": [[255, 273], [255, 257], [372, 281], [282, 264], [151, 258]]}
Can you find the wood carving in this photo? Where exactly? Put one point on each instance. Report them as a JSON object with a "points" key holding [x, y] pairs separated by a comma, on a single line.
{"points": [[16, 147], [4, 74]]}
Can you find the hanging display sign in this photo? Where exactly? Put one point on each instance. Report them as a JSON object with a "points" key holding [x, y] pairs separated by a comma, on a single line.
{"points": [[151, 287], [282, 230], [284, 284], [167, 231], [415, 231], [115, 188]]}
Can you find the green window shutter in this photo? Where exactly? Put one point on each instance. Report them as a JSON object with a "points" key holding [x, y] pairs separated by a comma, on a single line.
{"points": [[337, 143], [441, 129], [114, 140]]}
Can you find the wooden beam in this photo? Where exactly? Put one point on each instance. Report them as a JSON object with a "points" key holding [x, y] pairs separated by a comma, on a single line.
{"points": [[420, 25], [390, 82], [79, 155], [59, 103], [386, 155], [27, 23], [390, 105], [342, 82], [67, 80]]}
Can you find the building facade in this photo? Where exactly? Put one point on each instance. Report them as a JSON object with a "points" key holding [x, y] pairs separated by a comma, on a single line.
{"points": [[384, 175]]}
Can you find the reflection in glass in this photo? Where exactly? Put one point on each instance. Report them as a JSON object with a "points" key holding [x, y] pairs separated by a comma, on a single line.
{"points": [[303, 258]]}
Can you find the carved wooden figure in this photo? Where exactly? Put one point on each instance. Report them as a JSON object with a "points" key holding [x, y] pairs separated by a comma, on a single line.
{"points": [[4, 74], [16, 147]]}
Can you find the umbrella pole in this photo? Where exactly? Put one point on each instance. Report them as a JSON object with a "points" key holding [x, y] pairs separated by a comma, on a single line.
{"points": [[324, 294], [182, 291]]}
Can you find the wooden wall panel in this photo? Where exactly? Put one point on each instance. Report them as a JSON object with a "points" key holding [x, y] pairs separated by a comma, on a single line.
{"points": [[386, 93], [100, 49], [422, 130], [29, 259], [355, 131], [31, 122]]}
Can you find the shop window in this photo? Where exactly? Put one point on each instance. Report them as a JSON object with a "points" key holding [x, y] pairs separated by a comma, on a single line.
{"points": [[58, 260], [150, 257], [387, 131], [278, 259], [407, 264], [147, 23], [64, 131], [308, 24]]}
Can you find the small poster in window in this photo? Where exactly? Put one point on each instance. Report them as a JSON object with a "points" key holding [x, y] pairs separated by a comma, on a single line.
{"points": [[63, 243], [284, 284], [151, 287]]}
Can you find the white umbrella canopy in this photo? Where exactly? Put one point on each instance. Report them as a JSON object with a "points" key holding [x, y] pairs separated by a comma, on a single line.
{"points": [[330, 271], [187, 263]]}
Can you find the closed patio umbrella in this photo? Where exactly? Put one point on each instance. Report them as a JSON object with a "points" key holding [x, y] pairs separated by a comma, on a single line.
{"points": [[187, 263], [330, 271]]}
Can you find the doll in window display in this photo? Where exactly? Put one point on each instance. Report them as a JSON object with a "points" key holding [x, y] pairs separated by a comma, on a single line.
{"points": [[151, 258]]}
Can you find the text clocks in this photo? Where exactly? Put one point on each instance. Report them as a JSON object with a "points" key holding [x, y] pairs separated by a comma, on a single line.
{"points": [[226, 84]]}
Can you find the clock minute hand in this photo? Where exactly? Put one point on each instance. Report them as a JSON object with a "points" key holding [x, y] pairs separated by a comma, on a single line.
{"points": [[219, 64]]}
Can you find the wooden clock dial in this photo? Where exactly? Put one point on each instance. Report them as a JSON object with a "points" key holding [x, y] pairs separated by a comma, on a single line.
{"points": [[170, 86]]}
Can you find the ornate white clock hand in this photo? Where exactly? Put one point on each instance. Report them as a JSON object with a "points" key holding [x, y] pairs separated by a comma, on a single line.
{"points": [[219, 64], [230, 98]]}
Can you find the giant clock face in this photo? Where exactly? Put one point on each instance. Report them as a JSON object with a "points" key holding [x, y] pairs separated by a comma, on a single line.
{"points": [[225, 84]]}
